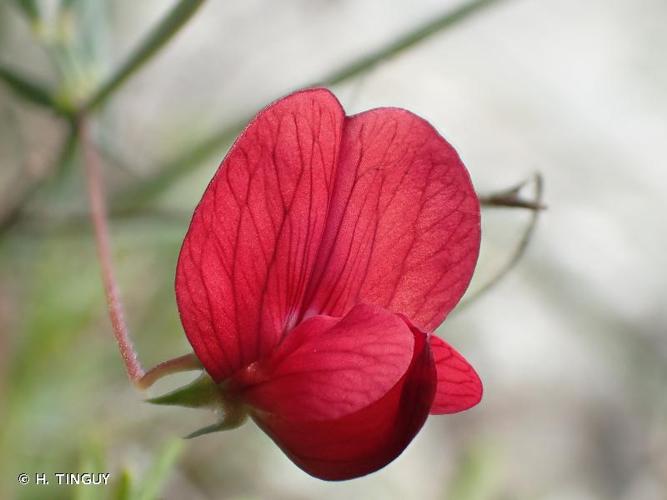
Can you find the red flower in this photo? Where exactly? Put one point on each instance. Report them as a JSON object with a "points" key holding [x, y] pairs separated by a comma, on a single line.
{"points": [[323, 252]]}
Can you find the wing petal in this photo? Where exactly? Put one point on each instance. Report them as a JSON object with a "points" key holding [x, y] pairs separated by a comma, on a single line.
{"points": [[459, 386]]}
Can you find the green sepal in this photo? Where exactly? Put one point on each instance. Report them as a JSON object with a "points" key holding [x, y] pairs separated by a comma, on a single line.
{"points": [[204, 392], [199, 393], [231, 420]]}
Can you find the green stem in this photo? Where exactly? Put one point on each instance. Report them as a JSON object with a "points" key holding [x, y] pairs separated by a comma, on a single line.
{"points": [[27, 88], [38, 93], [407, 41], [141, 193], [155, 39]]}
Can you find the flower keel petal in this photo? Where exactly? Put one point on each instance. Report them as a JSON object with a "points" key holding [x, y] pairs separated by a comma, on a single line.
{"points": [[343, 398]]}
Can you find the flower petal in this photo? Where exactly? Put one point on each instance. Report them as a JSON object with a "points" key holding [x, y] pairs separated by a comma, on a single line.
{"points": [[252, 242], [459, 386], [344, 397], [403, 230]]}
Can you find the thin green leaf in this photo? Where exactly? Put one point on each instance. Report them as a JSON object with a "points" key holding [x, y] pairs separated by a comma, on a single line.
{"points": [[154, 41], [27, 88], [476, 475], [92, 460], [157, 475], [29, 8], [405, 42], [122, 488], [142, 193]]}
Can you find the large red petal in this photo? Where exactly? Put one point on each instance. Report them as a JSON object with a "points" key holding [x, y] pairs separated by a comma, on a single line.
{"points": [[344, 397], [254, 236], [403, 230], [459, 386]]}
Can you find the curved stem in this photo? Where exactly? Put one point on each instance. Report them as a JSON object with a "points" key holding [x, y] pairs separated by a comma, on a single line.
{"points": [[511, 198], [185, 363], [98, 212], [99, 219]]}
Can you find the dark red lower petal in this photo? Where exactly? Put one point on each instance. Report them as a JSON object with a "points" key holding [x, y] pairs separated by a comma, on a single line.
{"points": [[459, 386], [343, 398]]}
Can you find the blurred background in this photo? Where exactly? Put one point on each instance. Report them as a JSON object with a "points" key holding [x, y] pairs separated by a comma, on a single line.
{"points": [[571, 345]]}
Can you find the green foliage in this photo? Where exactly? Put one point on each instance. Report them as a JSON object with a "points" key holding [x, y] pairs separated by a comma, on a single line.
{"points": [[154, 41], [122, 488], [476, 475], [156, 476], [35, 92], [29, 8], [92, 459], [432, 27]]}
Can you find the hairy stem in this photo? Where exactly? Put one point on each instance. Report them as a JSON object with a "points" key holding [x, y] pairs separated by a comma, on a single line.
{"points": [[99, 219], [185, 363], [98, 213]]}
